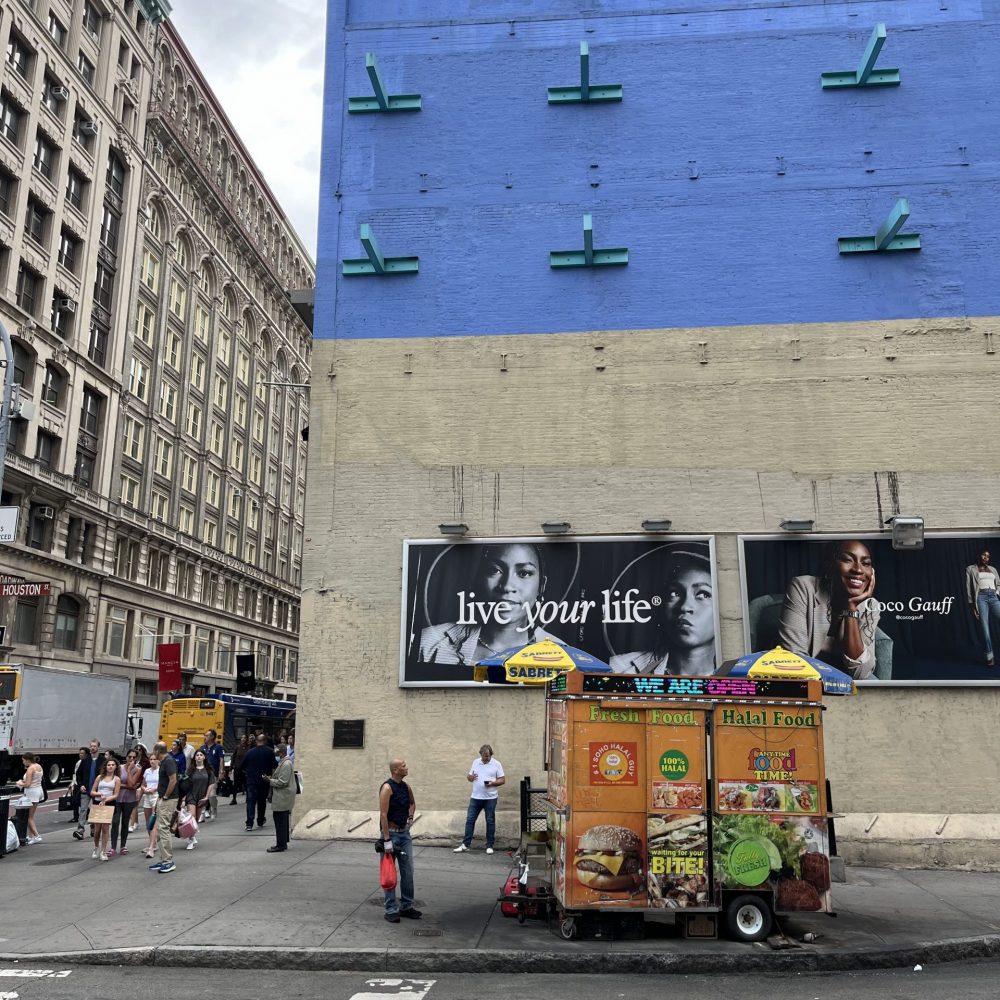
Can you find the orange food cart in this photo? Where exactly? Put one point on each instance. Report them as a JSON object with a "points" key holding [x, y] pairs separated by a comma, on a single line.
{"points": [[700, 795]]}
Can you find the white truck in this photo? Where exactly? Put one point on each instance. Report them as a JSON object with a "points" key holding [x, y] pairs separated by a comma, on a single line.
{"points": [[51, 713]]}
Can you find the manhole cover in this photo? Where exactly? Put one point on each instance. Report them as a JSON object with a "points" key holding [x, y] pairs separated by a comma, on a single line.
{"points": [[428, 933], [56, 861]]}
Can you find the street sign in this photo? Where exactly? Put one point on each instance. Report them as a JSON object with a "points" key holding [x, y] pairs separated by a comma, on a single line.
{"points": [[25, 589], [8, 523]]}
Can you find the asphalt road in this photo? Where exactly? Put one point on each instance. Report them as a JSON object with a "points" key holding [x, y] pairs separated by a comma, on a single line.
{"points": [[970, 981]]}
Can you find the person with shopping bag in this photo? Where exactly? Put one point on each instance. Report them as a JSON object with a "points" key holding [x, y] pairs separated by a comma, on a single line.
{"points": [[396, 808], [282, 796]]}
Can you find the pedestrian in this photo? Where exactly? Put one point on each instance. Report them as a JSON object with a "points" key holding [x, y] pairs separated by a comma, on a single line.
{"points": [[166, 803], [291, 746], [486, 775], [31, 785], [89, 771], [236, 766], [215, 758], [258, 762], [104, 792], [142, 760], [396, 806], [186, 749], [150, 783], [282, 783], [202, 788], [179, 756], [131, 778], [74, 785]]}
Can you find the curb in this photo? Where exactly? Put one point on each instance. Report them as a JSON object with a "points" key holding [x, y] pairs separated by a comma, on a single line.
{"points": [[479, 961]]}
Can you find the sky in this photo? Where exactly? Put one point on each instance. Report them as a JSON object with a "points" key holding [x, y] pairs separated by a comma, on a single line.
{"points": [[264, 61]]}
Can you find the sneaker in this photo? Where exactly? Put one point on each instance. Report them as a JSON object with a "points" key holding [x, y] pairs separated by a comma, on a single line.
{"points": [[489, 850], [111, 853], [156, 866], [132, 827], [411, 913], [249, 829], [459, 849], [190, 845], [104, 857], [34, 840], [393, 918], [96, 854], [165, 868], [78, 834], [124, 850]]}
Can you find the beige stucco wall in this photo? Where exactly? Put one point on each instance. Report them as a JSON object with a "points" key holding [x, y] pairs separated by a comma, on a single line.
{"points": [[725, 431]]}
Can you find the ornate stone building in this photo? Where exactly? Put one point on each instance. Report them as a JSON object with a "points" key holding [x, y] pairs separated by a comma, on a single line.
{"points": [[158, 460]]}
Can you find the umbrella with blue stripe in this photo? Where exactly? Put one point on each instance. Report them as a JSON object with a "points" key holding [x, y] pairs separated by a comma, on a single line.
{"points": [[536, 663], [783, 664]]}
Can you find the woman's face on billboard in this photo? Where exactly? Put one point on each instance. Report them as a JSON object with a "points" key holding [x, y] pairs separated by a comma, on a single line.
{"points": [[511, 573], [689, 609]]}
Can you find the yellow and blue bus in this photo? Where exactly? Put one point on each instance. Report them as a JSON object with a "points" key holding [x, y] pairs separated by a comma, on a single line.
{"points": [[232, 716]]}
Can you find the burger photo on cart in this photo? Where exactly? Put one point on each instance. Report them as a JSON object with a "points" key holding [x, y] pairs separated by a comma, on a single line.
{"points": [[609, 859]]}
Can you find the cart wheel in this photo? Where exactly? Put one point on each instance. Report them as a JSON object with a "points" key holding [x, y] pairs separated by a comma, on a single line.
{"points": [[748, 918], [567, 928], [521, 915]]}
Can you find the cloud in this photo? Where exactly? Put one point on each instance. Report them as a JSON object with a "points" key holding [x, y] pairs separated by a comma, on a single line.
{"points": [[264, 61]]}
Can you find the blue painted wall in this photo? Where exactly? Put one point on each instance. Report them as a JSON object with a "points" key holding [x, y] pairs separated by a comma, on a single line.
{"points": [[488, 178]]}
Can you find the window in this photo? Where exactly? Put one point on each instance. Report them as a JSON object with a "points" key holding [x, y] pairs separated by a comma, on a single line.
{"points": [[54, 386], [224, 349], [202, 648], [174, 348], [144, 324], [47, 449], [178, 298], [134, 435], [62, 314], [150, 270], [235, 495], [19, 56], [97, 348], [24, 366], [157, 569], [243, 366], [212, 483], [216, 438], [258, 426], [159, 506], [86, 466], [110, 222], [57, 30], [230, 599], [209, 531], [54, 95], [29, 286], [84, 130], [11, 117], [232, 542], [126, 558], [90, 412], [115, 178], [104, 287], [185, 521], [138, 379], [256, 468], [92, 21], [46, 153], [189, 473], [67, 623], [8, 192], [193, 423], [128, 490], [250, 552], [224, 653], [210, 588], [40, 523], [150, 633], [68, 247], [87, 69], [168, 401], [76, 187], [201, 318], [221, 390], [236, 453], [35, 218], [198, 372], [26, 622], [163, 457], [116, 630]]}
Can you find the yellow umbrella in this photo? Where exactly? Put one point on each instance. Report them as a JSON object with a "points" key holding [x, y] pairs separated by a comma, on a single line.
{"points": [[536, 663]]}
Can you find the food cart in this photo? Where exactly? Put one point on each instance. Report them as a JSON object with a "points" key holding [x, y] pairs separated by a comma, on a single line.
{"points": [[705, 796]]}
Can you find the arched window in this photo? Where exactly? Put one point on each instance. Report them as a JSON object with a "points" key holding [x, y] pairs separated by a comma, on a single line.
{"points": [[228, 306], [183, 259], [154, 223], [24, 365], [67, 630], [205, 282]]}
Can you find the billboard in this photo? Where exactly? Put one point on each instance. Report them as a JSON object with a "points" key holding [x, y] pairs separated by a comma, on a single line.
{"points": [[641, 605], [928, 616]]}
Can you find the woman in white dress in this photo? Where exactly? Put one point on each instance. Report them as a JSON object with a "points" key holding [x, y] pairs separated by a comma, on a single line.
{"points": [[31, 783]]}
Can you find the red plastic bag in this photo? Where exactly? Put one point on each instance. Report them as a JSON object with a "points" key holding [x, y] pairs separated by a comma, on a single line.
{"points": [[387, 872]]}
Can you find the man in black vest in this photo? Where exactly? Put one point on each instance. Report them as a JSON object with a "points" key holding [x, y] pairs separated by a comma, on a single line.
{"points": [[396, 807], [90, 767]]}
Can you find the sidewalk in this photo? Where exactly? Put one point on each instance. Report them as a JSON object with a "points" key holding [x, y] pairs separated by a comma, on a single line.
{"points": [[318, 906]]}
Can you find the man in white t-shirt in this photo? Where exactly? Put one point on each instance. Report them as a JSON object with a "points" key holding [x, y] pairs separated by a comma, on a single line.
{"points": [[486, 775]]}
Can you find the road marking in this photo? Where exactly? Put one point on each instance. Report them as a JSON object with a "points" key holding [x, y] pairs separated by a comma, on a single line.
{"points": [[33, 974], [411, 989], [8, 996]]}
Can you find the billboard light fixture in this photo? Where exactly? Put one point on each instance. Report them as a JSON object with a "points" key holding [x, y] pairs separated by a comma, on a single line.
{"points": [[455, 529], [907, 532], [556, 527], [657, 524], [797, 524]]}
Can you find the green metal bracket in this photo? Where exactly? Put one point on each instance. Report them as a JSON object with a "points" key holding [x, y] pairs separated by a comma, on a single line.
{"points": [[586, 93], [588, 256], [381, 101], [865, 75], [375, 263], [888, 236]]}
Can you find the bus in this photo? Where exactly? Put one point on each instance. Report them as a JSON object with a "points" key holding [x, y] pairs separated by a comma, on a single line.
{"points": [[232, 716]]}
